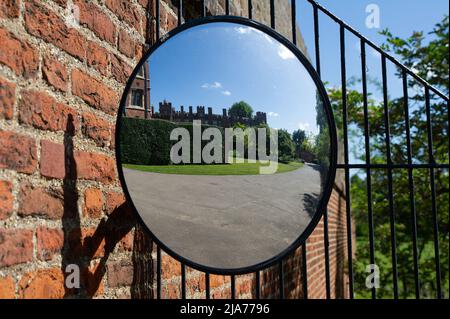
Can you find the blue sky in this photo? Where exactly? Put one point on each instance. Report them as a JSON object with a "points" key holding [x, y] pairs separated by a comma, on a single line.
{"points": [[401, 17], [276, 88], [223, 63]]}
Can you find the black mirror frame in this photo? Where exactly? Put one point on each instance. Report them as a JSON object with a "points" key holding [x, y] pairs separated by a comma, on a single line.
{"points": [[322, 205]]}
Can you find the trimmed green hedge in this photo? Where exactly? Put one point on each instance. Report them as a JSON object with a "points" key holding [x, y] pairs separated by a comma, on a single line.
{"points": [[147, 142]]}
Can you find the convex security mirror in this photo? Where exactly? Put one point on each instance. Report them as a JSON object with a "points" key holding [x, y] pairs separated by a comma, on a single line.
{"points": [[226, 145]]}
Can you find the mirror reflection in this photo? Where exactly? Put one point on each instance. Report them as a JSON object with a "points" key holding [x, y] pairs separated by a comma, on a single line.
{"points": [[224, 145]]}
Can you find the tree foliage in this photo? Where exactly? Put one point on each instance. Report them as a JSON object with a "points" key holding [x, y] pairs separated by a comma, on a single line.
{"points": [[430, 61], [241, 109]]}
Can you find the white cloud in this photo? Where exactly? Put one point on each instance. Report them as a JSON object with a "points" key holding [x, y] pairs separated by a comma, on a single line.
{"points": [[215, 85], [243, 30], [273, 114], [227, 93], [248, 30], [285, 53], [304, 126]]}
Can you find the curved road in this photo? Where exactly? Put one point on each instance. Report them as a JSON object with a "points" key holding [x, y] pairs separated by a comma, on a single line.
{"points": [[228, 221]]}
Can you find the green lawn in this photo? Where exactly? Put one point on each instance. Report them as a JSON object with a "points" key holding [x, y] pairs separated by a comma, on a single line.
{"points": [[219, 169]]}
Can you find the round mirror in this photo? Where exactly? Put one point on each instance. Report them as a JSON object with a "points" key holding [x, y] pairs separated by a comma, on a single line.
{"points": [[226, 145]]}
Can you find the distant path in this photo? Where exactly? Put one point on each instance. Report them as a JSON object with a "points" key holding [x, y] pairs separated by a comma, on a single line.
{"points": [[227, 221]]}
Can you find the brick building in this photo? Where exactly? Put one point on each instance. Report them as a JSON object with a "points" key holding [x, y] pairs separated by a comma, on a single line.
{"points": [[61, 77], [138, 98], [168, 112]]}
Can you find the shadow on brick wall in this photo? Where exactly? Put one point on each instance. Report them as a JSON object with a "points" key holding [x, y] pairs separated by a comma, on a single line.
{"points": [[90, 249]]}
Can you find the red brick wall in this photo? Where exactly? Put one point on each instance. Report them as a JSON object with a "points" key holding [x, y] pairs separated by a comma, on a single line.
{"points": [[60, 198]]}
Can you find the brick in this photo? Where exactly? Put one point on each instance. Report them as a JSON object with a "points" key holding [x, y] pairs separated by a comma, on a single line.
{"points": [[49, 242], [7, 288], [18, 152], [97, 57], [52, 162], [93, 280], [168, 21], [171, 267], [112, 143], [126, 243], [93, 202], [243, 286], [39, 201], [43, 283], [221, 294], [7, 99], [62, 3], [6, 199], [113, 201], [44, 112], [126, 44], [96, 20], [86, 242], [196, 284], [96, 128], [120, 274], [41, 22], [94, 93], [9, 9], [16, 246], [120, 70], [216, 281], [18, 55], [55, 73], [127, 12], [93, 166], [171, 290]]}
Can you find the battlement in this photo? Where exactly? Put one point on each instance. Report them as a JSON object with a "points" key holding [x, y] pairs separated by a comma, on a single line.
{"points": [[168, 112]]}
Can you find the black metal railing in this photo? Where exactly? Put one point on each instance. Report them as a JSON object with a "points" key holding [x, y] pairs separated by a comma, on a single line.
{"points": [[346, 166]]}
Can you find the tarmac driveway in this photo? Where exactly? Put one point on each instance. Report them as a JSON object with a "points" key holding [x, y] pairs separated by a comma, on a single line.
{"points": [[228, 221]]}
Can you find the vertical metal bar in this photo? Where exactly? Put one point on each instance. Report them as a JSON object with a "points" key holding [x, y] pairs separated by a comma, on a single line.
{"points": [[346, 160], [180, 12], [207, 286], [304, 272], [325, 213], [233, 287], [316, 37], [250, 9], [227, 7], [368, 169], [327, 254], [158, 273], [203, 8], [433, 194], [272, 14], [281, 279], [294, 21], [448, 163], [389, 172], [183, 281], [258, 285], [411, 185], [158, 25]]}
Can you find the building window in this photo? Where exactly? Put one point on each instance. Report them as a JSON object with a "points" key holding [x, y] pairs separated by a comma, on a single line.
{"points": [[140, 73], [137, 98]]}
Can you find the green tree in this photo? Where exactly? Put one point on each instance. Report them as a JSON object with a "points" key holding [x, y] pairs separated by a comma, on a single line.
{"points": [[286, 146], [241, 109], [430, 61], [298, 137]]}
